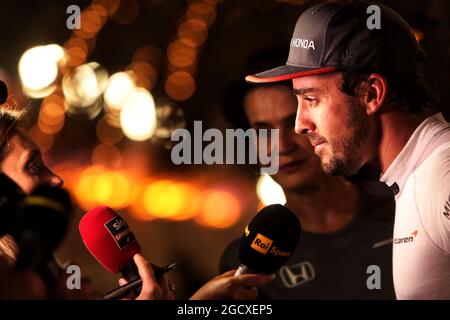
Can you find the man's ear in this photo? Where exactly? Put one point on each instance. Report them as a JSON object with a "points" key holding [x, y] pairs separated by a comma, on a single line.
{"points": [[376, 93]]}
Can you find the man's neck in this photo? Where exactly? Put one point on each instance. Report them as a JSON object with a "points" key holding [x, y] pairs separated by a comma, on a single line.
{"points": [[325, 207], [396, 129]]}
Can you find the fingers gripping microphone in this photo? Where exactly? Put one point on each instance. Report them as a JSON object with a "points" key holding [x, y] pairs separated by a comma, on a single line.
{"points": [[269, 240], [107, 237]]}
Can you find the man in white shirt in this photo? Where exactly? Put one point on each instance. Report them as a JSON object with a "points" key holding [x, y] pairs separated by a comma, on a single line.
{"points": [[358, 78]]}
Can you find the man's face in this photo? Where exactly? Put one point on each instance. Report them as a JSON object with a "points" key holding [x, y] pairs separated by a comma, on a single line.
{"points": [[22, 162], [336, 124], [274, 107]]}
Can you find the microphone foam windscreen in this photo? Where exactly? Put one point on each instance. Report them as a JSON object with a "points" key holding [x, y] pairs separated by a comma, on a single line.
{"points": [[46, 211], [107, 237], [10, 197], [269, 239], [3, 92]]}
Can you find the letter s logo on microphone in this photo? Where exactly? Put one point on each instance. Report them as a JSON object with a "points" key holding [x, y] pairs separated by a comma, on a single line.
{"points": [[122, 235], [261, 243]]}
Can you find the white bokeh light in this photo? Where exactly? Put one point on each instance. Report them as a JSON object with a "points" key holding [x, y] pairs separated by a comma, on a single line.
{"points": [[120, 87], [138, 116], [269, 192], [38, 68]]}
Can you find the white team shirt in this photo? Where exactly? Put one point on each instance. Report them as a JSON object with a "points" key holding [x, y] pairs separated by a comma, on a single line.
{"points": [[421, 247]]}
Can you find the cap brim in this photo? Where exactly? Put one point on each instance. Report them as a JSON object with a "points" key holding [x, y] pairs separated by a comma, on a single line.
{"points": [[286, 72]]}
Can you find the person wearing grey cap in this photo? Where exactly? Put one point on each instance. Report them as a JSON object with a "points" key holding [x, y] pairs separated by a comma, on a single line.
{"points": [[362, 100]]}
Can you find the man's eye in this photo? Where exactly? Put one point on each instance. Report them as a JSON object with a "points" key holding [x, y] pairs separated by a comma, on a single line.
{"points": [[311, 100]]}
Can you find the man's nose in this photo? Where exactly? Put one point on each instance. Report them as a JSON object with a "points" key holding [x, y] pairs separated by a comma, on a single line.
{"points": [[303, 122]]}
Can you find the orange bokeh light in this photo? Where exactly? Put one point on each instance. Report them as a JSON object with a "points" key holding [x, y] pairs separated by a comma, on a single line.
{"points": [[180, 86], [193, 29], [180, 54], [108, 134], [110, 6], [202, 10], [106, 155], [43, 140], [221, 209], [144, 74]]}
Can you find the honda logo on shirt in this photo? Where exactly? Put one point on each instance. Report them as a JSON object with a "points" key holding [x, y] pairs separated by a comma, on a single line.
{"points": [[297, 274]]}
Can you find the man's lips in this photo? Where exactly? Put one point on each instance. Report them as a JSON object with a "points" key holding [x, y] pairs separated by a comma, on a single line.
{"points": [[317, 144]]}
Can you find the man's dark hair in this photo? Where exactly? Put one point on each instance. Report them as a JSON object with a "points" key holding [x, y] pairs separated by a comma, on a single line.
{"points": [[410, 92]]}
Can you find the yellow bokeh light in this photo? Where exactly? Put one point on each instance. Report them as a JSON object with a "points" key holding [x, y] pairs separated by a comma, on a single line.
{"points": [[137, 208], [138, 116], [112, 188], [84, 189], [164, 199], [221, 209], [269, 192], [191, 201]]}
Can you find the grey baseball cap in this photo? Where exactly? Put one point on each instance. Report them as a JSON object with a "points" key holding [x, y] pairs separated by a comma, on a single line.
{"points": [[337, 36]]}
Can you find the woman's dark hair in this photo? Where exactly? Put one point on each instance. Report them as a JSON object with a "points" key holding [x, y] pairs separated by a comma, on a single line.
{"points": [[233, 94]]}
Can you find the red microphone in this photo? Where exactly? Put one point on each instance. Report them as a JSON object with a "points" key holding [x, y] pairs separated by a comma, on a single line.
{"points": [[107, 237]]}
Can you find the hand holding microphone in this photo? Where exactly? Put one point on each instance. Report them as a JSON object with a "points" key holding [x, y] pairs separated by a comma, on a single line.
{"points": [[267, 243], [108, 238]]}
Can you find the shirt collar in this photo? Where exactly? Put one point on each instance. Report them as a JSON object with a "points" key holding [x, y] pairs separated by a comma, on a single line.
{"points": [[413, 153]]}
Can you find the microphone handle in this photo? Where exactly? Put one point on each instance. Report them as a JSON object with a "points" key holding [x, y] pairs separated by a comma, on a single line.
{"points": [[125, 289], [243, 269]]}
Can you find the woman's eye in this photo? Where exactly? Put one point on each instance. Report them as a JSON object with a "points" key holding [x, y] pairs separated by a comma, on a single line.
{"points": [[35, 165]]}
